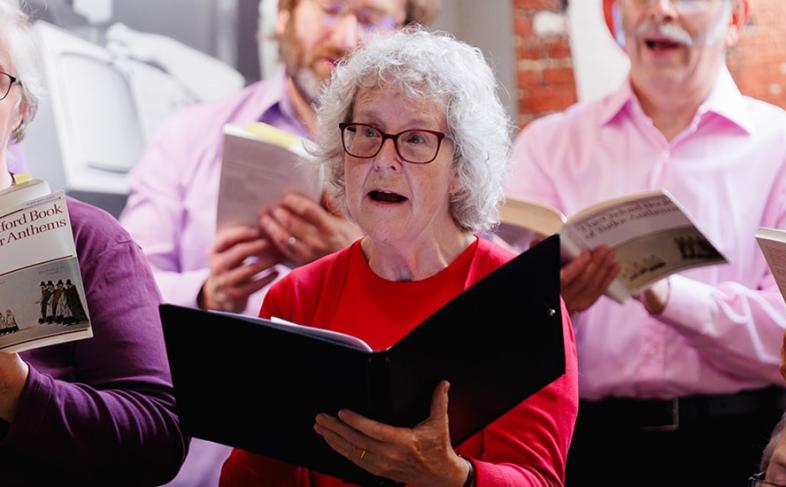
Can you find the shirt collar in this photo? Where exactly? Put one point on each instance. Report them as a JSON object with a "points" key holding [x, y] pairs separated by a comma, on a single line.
{"points": [[270, 94], [279, 87], [724, 100], [616, 103]]}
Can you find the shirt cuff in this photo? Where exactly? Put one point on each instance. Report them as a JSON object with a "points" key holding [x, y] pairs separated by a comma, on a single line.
{"points": [[690, 304], [181, 288], [30, 411], [488, 474]]}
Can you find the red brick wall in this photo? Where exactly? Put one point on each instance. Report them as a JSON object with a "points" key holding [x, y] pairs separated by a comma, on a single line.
{"points": [[544, 67], [758, 63], [545, 70]]}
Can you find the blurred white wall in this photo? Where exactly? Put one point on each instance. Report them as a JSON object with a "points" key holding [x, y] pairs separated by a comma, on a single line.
{"points": [[599, 64], [488, 25]]}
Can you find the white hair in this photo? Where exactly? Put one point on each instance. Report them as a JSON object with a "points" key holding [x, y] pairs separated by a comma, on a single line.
{"points": [[435, 67], [23, 55]]}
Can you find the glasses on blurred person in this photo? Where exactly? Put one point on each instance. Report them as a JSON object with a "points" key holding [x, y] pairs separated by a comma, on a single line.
{"points": [[758, 480], [369, 19], [416, 146], [6, 82], [684, 5]]}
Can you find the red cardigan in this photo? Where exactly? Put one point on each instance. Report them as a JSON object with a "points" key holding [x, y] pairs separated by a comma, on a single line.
{"points": [[528, 446]]}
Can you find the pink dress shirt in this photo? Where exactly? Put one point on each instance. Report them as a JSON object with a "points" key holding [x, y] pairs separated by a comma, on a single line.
{"points": [[171, 209], [721, 329], [171, 213]]}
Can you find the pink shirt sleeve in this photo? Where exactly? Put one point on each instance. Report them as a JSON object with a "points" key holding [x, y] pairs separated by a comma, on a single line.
{"points": [[155, 212]]}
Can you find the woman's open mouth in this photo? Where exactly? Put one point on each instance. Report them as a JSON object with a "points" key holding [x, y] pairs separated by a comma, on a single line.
{"points": [[386, 197]]}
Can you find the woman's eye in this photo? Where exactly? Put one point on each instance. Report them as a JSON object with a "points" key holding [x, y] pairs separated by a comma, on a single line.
{"points": [[414, 139]]}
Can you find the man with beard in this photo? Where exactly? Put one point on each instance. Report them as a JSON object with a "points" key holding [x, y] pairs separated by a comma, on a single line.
{"points": [[681, 382], [171, 209]]}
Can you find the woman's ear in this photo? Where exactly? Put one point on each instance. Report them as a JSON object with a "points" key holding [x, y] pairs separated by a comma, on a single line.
{"points": [[454, 187], [19, 119]]}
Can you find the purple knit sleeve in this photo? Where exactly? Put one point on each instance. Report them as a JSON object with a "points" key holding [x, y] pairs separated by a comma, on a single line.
{"points": [[104, 405]]}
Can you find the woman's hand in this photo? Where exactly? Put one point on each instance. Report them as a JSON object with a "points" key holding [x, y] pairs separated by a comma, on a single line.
{"points": [[419, 456], [13, 375]]}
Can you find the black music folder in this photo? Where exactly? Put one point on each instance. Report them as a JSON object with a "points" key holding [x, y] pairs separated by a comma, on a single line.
{"points": [[257, 385]]}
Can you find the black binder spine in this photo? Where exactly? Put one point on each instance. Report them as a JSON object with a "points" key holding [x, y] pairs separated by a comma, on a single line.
{"points": [[379, 400]]}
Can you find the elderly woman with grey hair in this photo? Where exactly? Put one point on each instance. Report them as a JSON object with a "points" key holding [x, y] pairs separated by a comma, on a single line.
{"points": [[98, 411], [415, 141]]}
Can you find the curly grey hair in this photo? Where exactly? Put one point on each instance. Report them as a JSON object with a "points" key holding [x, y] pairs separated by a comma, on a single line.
{"points": [[18, 38], [437, 67]]}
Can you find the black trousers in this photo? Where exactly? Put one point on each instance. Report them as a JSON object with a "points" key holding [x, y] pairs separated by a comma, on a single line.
{"points": [[624, 442]]}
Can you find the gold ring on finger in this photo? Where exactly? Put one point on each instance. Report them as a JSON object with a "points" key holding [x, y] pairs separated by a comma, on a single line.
{"points": [[291, 241]]}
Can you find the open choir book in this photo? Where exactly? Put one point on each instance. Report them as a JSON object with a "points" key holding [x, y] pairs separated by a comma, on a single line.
{"points": [[258, 384], [651, 234], [42, 299], [260, 164], [772, 242]]}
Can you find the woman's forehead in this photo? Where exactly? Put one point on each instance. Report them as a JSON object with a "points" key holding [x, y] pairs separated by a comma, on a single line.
{"points": [[380, 98]]}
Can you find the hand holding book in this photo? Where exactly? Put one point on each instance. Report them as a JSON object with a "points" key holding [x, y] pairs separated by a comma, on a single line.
{"points": [[13, 375], [303, 230], [584, 279], [269, 183], [239, 259], [421, 455], [651, 234]]}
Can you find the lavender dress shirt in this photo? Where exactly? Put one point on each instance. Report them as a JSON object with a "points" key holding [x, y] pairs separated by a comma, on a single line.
{"points": [[171, 209], [171, 212], [722, 327], [99, 411], [15, 158]]}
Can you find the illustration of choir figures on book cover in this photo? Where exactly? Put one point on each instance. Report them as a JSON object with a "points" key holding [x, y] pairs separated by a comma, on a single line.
{"points": [[42, 298], [689, 249], [45, 300]]}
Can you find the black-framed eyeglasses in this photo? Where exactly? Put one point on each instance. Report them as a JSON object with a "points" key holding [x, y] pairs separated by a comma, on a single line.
{"points": [[6, 82], [757, 480], [416, 146]]}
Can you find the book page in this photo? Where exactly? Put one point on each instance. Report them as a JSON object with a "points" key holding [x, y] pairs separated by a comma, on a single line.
{"points": [[320, 333], [24, 191], [43, 297], [524, 222], [328, 335], [651, 234], [773, 245], [543, 219], [256, 174]]}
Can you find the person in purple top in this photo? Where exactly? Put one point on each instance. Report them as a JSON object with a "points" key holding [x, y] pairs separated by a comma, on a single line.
{"points": [[171, 209], [97, 411]]}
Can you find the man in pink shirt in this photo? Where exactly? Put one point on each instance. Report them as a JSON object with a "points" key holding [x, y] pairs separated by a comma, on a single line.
{"points": [[171, 209], [680, 380]]}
